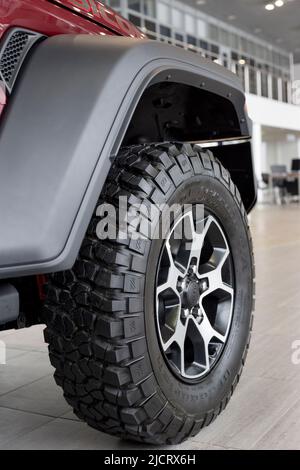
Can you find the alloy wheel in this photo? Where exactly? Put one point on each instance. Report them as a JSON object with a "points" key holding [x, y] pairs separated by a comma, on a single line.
{"points": [[194, 295]]}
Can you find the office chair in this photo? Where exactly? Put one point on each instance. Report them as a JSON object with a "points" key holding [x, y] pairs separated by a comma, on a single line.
{"points": [[265, 178], [279, 182]]}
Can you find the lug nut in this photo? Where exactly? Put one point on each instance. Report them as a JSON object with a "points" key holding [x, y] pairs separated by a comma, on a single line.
{"points": [[195, 312], [185, 313], [193, 269], [212, 350]]}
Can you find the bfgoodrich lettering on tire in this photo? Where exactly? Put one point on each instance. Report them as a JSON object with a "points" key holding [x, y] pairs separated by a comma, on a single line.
{"points": [[149, 337]]}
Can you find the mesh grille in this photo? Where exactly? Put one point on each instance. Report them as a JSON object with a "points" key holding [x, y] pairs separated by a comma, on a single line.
{"points": [[13, 53]]}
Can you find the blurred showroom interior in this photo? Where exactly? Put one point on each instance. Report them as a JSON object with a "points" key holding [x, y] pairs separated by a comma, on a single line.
{"points": [[259, 41]]}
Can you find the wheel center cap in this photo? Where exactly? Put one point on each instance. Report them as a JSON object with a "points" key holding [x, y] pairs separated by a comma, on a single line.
{"points": [[191, 294]]}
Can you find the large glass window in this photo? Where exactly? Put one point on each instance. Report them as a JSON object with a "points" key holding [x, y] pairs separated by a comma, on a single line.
{"points": [[285, 91], [201, 28], [165, 31], [203, 45], [115, 4], [264, 81], [224, 37], [244, 44], [135, 5], [215, 49], [179, 37], [149, 8], [275, 88], [214, 32], [252, 48], [177, 18], [189, 24], [150, 25], [192, 41], [167, 19], [163, 15], [235, 41], [135, 20], [252, 77]]}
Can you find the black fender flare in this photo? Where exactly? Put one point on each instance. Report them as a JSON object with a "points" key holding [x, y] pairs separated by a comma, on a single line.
{"points": [[67, 116]]}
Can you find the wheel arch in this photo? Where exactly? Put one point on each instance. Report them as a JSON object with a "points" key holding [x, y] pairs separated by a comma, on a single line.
{"points": [[78, 114]]}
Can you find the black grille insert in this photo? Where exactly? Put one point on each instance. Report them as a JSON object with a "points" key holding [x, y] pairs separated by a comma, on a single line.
{"points": [[13, 52]]}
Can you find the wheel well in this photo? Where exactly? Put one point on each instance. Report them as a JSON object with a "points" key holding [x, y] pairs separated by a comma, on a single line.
{"points": [[176, 112], [169, 111]]}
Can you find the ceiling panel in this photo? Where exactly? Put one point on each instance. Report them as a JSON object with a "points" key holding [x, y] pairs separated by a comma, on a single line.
{"points": [[281, 26]]}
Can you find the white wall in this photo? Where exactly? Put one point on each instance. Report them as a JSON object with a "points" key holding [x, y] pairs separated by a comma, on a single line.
{"points": [[297, 72], [273, 113]]}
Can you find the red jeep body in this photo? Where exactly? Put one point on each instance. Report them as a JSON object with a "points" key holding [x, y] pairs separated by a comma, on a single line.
{"points": [[52, 17]]}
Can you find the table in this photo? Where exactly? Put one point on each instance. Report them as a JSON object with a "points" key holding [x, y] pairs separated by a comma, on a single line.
{"points": [[282, 176]]}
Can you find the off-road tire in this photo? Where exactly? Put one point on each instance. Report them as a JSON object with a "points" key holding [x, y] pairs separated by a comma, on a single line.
{"points": [[99, 315]]}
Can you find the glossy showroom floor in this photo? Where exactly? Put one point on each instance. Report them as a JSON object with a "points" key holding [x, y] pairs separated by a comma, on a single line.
{"points": [[265, 410]]}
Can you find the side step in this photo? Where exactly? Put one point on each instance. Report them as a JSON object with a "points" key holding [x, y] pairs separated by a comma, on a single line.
{"points": [[9, 304]]}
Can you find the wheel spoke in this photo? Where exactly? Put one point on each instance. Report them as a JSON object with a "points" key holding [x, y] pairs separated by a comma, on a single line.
{"points": [[173, 274], [178, 336], [215, 279], [196, 242], [228, 289], [174, 271], [163, 287], [207, 332], [223, 257], [198, 238]]}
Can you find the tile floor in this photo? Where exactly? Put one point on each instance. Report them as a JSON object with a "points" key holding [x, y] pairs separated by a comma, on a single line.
{"points": [[265, 410]]}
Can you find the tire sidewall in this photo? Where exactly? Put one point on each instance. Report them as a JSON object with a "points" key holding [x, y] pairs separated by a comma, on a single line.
{"points": [[198, 398]]}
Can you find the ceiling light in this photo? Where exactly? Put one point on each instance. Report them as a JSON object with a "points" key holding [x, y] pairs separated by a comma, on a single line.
{"points": [[270, 6], [242, 62], [279, 3]]}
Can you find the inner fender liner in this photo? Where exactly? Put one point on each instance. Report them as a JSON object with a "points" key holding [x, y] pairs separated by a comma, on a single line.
{"points": [[67, 115]]}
